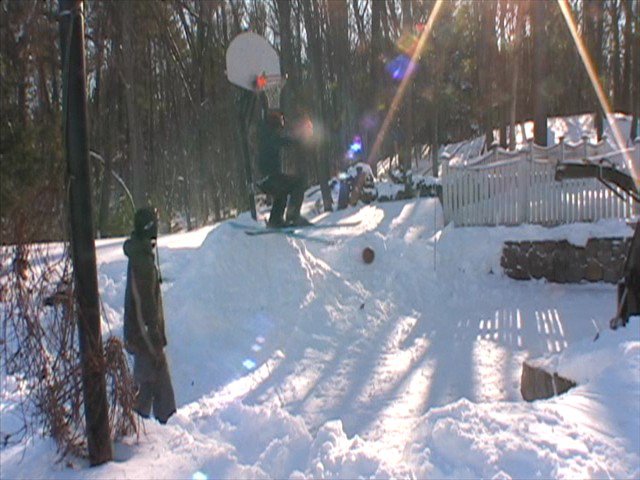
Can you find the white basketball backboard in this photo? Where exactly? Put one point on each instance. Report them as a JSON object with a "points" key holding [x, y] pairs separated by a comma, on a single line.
{"points": [[248, 56]]}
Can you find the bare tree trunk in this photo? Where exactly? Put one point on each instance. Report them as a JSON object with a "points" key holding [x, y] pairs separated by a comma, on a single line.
{"points": [[109, 131], [287, 65], [485, 66], [406, 116], [315, 57], [203, 166], [340, 58], [635, 94], [435, 144], [515, 73], [539, 73], [501, 81], [105, 192], [626, 96], [376, 42], [439, 69], [359, 17], [297, 43], [22, 96], [594, 34], [376, 75], [127, 61], [514, 101], [616, 79]]}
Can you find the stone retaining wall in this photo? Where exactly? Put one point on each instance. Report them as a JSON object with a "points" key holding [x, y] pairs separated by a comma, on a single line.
{"points": [[602, 259]]}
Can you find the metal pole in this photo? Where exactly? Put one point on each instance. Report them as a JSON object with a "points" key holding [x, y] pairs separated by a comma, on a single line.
{"points": [[245, 112], [82, 241]]}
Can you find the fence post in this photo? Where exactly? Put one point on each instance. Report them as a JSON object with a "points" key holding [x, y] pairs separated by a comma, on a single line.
{"points": [[446, 197], [524, 172]]}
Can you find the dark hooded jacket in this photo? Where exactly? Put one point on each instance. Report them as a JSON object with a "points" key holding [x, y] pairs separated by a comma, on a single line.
{"points": [[271, 138], [143, 313]]}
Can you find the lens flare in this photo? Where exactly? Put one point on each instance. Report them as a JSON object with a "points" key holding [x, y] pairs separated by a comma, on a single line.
{"points": [[595, 82], [356, 146], [249, 364], [395, 103], [399, 66], [408, 42]]}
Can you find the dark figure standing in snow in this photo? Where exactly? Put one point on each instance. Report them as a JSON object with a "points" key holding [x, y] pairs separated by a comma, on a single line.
{"points": [[144, 321], [281, 186]]}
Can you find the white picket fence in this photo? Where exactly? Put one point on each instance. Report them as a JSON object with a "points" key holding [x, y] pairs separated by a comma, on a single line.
{"points": [[511, 188]]}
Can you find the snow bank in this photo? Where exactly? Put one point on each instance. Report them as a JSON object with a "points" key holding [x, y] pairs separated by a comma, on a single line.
{"points": [[293, 359]]}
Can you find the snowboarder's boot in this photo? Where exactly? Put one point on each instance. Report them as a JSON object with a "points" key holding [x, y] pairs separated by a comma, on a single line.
{"points": [[276, 223], [298, 221]]}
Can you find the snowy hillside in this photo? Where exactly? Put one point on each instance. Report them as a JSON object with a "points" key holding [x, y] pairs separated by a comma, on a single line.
{"points": [[295, 359]]}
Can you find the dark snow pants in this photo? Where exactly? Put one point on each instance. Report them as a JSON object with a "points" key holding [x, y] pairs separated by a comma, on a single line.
{"points": [[280, 186], [154, 387]]}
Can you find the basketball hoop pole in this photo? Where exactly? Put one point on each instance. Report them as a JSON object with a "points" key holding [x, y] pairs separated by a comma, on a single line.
{"points": [[254, 66], [247, 102]]}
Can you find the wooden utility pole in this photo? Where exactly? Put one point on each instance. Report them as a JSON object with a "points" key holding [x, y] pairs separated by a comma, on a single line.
{"points": [[82, 241]]}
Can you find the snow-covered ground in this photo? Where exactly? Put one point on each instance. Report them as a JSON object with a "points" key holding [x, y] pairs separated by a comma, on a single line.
{"points": [[295, 359]]}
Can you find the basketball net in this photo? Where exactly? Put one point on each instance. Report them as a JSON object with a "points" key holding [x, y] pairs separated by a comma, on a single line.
{"points": [[271, 86]]}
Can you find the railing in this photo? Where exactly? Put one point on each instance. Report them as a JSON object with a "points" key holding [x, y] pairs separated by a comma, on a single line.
{"points": [[511, 188]]}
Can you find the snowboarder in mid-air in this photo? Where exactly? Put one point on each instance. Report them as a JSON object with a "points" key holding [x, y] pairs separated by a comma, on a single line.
{"points": [[287, 190], [144, 333]]}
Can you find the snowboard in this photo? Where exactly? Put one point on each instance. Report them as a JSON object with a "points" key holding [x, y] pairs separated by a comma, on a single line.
{"points": [[293, 228], [295, 231]]}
